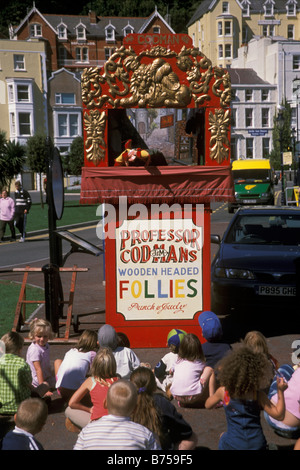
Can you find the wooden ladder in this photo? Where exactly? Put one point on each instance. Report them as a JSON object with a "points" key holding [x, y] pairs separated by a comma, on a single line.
{"points": [[20, 313]]}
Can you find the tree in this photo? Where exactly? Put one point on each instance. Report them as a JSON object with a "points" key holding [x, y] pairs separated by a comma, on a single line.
{"points": [[37, 157], [12, 159], [76, 156], [275, 155]]}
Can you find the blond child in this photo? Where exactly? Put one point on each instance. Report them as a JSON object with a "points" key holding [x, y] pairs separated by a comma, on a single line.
{"points": [[38, 356]]}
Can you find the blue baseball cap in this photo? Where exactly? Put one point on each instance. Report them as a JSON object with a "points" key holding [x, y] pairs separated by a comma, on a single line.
{"points": [[211, 325]]}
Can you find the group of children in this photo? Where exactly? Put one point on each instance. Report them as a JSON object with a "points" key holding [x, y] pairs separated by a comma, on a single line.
{"points": [[114, 401]]}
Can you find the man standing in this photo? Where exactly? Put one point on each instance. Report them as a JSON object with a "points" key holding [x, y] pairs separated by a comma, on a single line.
{"points": [[7, 210], [23, 204]]}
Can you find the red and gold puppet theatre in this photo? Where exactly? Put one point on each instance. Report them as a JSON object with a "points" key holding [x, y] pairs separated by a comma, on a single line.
{"points": [[156, 217]]}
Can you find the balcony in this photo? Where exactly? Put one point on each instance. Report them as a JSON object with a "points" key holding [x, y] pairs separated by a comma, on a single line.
{"points": [[72, 63]]}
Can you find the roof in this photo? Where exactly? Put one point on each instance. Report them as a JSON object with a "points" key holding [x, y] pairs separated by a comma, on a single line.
{"points": [[246, 76], [251, 163], [256, 6], [98, 28]]}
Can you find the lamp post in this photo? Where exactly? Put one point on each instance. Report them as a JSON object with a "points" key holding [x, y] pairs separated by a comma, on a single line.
{"points": [[280, 124], [293, 135]]}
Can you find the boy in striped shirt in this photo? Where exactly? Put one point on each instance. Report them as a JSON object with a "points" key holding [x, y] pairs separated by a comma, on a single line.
{"points": [[116, 431]]}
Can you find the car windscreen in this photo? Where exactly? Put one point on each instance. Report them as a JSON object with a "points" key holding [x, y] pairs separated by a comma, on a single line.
{"points": [[265, 229], [252, 175]]}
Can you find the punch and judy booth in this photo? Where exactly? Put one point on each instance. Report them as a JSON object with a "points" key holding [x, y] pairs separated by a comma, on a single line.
{"points": [[155, 214]]}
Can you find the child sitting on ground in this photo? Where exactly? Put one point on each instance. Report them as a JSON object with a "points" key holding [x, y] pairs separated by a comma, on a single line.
{"points": [[126, 359], [214, 348], [15, 379], [76, 364], [38, 356], [30, 419], [103, 372], [163, 370], [243, 374], [193, 380], [155, 412], [116, 431], [258, 343]]}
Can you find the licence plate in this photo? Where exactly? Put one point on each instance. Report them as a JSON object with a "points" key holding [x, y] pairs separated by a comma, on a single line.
{"points": [[249, 201], [286, 291]]}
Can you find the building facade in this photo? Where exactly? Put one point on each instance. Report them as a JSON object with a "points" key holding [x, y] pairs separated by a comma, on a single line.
{"points": [[253, 107], [278, 63], [23, 89], [76, 42], [220, 27]]}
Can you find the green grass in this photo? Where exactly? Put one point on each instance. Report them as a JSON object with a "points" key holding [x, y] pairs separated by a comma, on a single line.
{"points": [[73, 213], [9, 295]]}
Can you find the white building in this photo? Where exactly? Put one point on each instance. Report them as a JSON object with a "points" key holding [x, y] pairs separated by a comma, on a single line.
{"points": [[253, 106], [277, 61]]}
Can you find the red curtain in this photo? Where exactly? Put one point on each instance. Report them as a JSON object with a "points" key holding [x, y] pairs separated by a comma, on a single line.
{"points": [[156, 184]]}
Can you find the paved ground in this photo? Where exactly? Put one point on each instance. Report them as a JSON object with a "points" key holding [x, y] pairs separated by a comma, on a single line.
{"points": [[89, 304]]}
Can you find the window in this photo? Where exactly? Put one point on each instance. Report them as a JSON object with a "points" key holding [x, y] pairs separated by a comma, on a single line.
{"points": [[290, 31], [291, 8], [227, 50], [227, 28], [265, 95], [62, 54], [11, 96], [12, 124], [269, 30], [82, 54], [128, 30], [62, 31], [265, 112], [220, 28], [24, 124], [272, 30], [19, 62], [220, 51], [269, 8], [156, 30], [108, 51], [266, 147], [233, 117], [296, 62], [249, 95], [68, 125], [64, 98], [225, 7], [249, 147], [249, 117], [80, 31], [35, 30], [110, 33], [23, 93], [246, 8]]}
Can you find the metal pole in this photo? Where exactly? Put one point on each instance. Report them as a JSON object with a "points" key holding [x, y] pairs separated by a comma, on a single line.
{"points": [[282, 170]]}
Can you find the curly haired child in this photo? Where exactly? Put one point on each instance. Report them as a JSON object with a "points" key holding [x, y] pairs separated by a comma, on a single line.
{"points": [[155, 412], [243, 374]]}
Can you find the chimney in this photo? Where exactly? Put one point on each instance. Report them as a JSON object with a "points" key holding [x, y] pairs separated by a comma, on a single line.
{"points": [[93, 17]]}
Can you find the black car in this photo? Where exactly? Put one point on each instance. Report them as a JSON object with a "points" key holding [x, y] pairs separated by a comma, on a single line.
{"points": [[258, 261]]}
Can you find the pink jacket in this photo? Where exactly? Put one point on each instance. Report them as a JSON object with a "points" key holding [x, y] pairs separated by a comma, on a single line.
{"points": [[7, 208]]}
